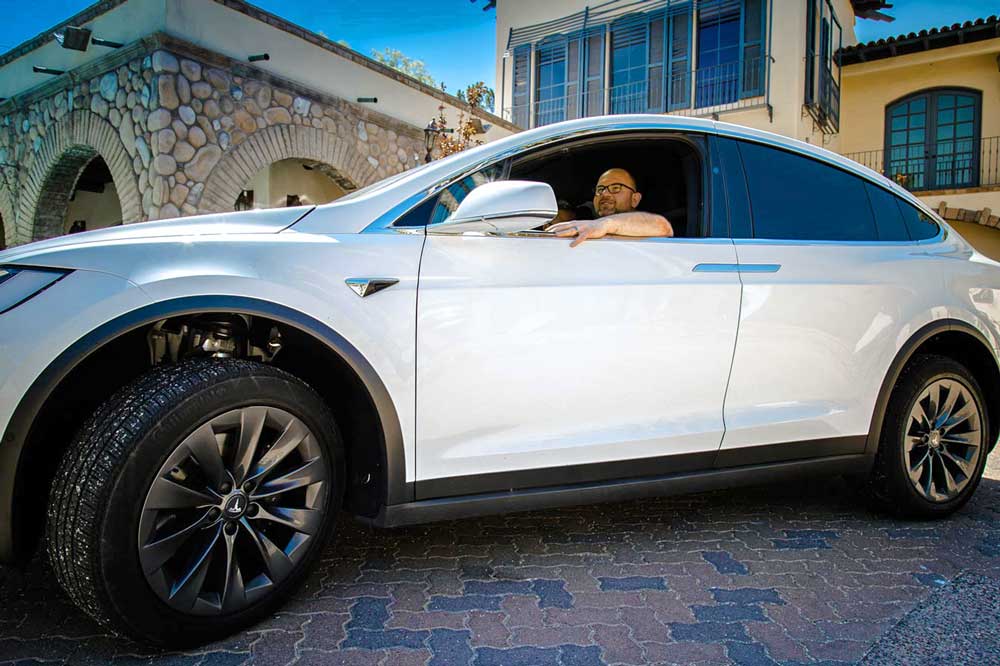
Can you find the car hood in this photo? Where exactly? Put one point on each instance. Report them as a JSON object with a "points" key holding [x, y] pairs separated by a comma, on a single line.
{"points": [[265, 221]]}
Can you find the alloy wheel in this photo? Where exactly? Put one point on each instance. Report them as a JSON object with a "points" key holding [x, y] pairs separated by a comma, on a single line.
{"points": [[943, 440], [233, 510]]}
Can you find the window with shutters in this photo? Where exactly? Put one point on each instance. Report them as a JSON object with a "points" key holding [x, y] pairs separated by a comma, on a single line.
{"points": [[550, 75], [649, 60], [823, 42], [731, 54]]}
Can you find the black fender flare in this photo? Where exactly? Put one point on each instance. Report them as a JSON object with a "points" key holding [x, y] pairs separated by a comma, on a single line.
{"points": [[903, 356], [19, 428]]}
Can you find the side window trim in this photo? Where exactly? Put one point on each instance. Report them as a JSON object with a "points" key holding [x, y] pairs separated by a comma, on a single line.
{"points": [[737, 192]]}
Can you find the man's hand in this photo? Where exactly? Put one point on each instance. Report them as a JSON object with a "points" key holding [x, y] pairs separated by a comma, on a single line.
{"points": [[634, 223], [582, 229]]}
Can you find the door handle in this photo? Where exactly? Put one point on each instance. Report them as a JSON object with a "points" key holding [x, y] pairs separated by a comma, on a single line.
{"points": [[736, 268], [716, 268]]}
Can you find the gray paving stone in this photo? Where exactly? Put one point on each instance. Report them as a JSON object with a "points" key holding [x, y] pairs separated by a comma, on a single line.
{"points": [[798, 574]]}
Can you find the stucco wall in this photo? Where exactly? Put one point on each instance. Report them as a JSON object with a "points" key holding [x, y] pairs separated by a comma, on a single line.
{"points": [[233, 33], [97, 209], [288, 177], [870, 87], [984, 239], [124, 24]]}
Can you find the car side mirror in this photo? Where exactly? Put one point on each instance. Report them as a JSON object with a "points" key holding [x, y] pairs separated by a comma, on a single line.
{"points": [[507, 206]]}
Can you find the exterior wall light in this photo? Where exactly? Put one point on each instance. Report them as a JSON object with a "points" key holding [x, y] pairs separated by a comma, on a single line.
{"points": [[259, 57], [431, 133], [47, 70], [367, 100], [76, 39]]}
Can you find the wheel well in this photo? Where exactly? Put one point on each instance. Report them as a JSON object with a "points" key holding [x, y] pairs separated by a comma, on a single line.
{"points": [[127, 356], [977, 359]]}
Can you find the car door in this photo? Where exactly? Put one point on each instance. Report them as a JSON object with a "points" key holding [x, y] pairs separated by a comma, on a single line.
{"points": [[542, 365], [828, 297]]}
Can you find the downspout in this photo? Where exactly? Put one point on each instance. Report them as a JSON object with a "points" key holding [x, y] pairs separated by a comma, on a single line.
{"points": [[770, 25], [503, 74]]}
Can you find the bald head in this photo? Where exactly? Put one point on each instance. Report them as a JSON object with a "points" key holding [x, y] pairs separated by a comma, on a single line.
{"points": [[625, 200]]}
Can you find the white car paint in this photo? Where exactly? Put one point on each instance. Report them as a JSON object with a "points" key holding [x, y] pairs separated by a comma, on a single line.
{"points": [[506, 362], [531, 354]]}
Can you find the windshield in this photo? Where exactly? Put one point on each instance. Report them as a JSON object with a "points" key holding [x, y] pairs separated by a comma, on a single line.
{"points": [[385, 182]]}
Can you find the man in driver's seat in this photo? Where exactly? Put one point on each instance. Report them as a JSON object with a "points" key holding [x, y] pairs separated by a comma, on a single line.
{"points": [[615, 199]]}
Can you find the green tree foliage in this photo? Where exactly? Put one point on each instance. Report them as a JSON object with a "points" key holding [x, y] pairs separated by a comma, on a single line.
{"points": [[400, 62]]}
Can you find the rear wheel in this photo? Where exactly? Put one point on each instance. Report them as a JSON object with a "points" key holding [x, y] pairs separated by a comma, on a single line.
{"points": [[195, 500], [934, 441]]}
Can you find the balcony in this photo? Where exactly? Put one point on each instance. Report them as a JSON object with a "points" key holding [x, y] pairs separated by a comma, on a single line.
{"points": [[953, 164], [708, 91]]}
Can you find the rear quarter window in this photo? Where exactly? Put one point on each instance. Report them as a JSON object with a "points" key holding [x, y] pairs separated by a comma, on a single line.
{"points": [[919, 225], [888, 217]]}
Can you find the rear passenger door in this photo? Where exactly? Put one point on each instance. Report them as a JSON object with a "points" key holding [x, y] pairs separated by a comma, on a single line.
{"points": [[832, 275]]}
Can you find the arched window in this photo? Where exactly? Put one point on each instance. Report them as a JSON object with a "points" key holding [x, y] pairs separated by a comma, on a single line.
{"points": [[932, 139]]}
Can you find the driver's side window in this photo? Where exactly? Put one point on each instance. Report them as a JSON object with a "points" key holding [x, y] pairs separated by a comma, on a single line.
{"points": [[592, 178]]}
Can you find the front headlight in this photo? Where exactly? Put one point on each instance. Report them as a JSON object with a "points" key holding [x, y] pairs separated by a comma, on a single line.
{"points": [[19, 284]]}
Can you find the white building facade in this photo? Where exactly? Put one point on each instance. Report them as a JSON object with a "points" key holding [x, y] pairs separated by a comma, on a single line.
{"points": [[767, 64]]}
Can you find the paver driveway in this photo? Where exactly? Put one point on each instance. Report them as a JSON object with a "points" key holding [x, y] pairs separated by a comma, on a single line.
{"points": [[795, 574]]}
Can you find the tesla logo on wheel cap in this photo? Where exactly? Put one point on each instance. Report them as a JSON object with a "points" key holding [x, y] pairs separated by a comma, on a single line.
{"points": [[236, 505]]}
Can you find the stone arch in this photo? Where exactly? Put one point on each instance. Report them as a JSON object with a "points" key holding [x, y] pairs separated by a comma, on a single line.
{"points": [[68, 146], [276, 143], [8, 230]]}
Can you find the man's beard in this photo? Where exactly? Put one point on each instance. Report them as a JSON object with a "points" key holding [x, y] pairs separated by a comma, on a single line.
{"points": [[607, 208]]}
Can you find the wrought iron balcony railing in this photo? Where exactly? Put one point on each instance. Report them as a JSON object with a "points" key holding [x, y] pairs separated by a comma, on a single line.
{"points": [[941, 165], [702, 92]]}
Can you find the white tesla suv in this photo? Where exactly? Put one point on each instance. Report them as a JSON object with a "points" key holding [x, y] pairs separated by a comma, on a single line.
{"points": [[187, 404]]}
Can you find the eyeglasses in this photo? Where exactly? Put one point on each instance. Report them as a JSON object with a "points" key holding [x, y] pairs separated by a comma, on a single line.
{"points": [[613, 188]]}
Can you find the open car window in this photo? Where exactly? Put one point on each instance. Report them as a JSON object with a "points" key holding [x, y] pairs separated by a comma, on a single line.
{"points": [[668, 169]]}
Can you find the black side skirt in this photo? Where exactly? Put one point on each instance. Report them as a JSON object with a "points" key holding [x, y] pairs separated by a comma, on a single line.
{"points": [[451, 508]]}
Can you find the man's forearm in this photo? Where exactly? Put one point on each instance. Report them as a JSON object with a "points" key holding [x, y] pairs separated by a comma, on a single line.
{"points": [[638, 223]]}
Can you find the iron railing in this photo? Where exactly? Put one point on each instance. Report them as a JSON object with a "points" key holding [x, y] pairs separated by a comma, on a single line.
{"points": [[702, 92], [943, 165]]}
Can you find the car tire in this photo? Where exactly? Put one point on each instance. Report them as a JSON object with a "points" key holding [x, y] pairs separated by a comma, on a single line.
{"points": [[934, 441], [140, 481]]}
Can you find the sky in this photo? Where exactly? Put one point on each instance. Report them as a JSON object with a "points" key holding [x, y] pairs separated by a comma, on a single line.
{"points": [[454, 38]]}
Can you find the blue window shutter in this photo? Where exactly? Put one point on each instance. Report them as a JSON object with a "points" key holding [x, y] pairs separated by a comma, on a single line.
{"points": [[810, 92], [521, 94], [753, 54], [656, 52], [679, 61], [574, 75], [593, 71]]}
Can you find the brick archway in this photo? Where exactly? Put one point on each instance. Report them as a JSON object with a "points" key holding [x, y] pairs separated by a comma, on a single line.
{"points": [[276, 143], [68, 146]]}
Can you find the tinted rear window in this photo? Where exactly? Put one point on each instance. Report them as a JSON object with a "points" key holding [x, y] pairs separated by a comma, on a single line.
{"points": [[797, 198]]}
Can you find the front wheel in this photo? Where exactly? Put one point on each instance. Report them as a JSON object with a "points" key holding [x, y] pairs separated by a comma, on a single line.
{"points": [[195, 500], [934, 440]]}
